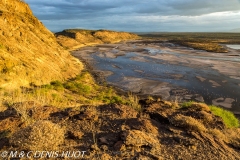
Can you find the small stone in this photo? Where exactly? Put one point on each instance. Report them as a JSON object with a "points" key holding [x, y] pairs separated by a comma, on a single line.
{"points": [[103, 140], [120, 146]]}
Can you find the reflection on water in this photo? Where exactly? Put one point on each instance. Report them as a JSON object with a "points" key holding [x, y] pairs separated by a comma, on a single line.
{"points": [[233, 46], [162, 71]]}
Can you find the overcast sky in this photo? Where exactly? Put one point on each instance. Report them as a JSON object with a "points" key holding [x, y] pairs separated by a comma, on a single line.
{"points": [[139, 15]]}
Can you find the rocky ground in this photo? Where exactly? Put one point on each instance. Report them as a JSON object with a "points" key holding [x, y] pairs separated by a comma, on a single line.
{"points": [[160, 130]]}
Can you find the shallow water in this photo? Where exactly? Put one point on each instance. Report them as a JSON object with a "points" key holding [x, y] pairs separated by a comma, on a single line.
{"points": [[147, 65], [233, 46]]}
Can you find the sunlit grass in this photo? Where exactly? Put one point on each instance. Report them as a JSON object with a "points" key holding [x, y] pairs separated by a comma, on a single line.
{"points": [[228, 117]]}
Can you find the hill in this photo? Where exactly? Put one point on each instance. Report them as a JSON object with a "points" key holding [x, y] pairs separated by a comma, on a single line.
{"points": [[236, 30], [75, 38], [29, 52]]}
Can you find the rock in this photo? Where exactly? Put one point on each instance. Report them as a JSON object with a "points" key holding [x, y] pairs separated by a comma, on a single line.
{"points": [[103, 140], [88, 115], [119, 146]]}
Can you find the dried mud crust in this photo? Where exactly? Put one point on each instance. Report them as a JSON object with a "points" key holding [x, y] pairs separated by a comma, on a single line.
{"points": [[114, 131]]}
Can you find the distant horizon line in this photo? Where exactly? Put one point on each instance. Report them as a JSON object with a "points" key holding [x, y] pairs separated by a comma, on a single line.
{"points": [[152, 31]]}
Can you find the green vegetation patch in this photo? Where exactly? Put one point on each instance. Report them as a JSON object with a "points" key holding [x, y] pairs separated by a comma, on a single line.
{"points": [[187, 104], [228, 117], [2, 46]]}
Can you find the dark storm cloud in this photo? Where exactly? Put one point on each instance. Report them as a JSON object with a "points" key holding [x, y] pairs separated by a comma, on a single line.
{"points": [[131, 14]]}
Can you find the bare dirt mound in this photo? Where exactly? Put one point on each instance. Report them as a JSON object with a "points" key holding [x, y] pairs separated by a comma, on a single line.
{"points": [[29, 52]]}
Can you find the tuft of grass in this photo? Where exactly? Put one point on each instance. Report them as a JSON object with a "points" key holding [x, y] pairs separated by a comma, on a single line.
{"points": [[187, 104], [1, 46], [218, 134], [196, 106], [21, 109], [233, 136], [133, 101], [228, 117], [188, 123], [57, 85], [78, 87]]}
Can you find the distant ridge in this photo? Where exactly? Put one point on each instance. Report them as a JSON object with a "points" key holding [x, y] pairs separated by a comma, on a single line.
{"points": [[75, 38], [236, 30]]}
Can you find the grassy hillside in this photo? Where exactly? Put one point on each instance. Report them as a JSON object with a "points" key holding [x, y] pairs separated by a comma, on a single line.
{"points": [[29, 53], [76, 38]]}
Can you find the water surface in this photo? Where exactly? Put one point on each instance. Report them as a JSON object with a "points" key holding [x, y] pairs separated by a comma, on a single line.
{"points": [[234, 46], [165, 68]]}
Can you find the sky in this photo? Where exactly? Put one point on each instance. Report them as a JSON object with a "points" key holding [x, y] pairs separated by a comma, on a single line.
{"points": [[139, 15]]}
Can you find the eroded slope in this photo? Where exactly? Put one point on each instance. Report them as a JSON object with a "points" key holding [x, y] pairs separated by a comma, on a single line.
{"points": [[29, 52]]}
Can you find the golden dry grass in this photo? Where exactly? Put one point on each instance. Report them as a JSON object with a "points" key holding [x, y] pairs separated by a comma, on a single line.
{"points": [[133, 101], [218, 134], [187, 122], [233, 136], [29, 52]]}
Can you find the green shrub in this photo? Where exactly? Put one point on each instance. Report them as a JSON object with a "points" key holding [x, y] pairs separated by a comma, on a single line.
{"points": [[78, 87], [117, 99], [48, 86], [228, 117], [187, 104], [57, 85]]}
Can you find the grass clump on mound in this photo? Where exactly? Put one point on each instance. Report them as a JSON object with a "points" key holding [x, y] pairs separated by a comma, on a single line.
{"points": [[187, 122], [196, 106], [187, 104], [228, 117], [41, 136]]}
